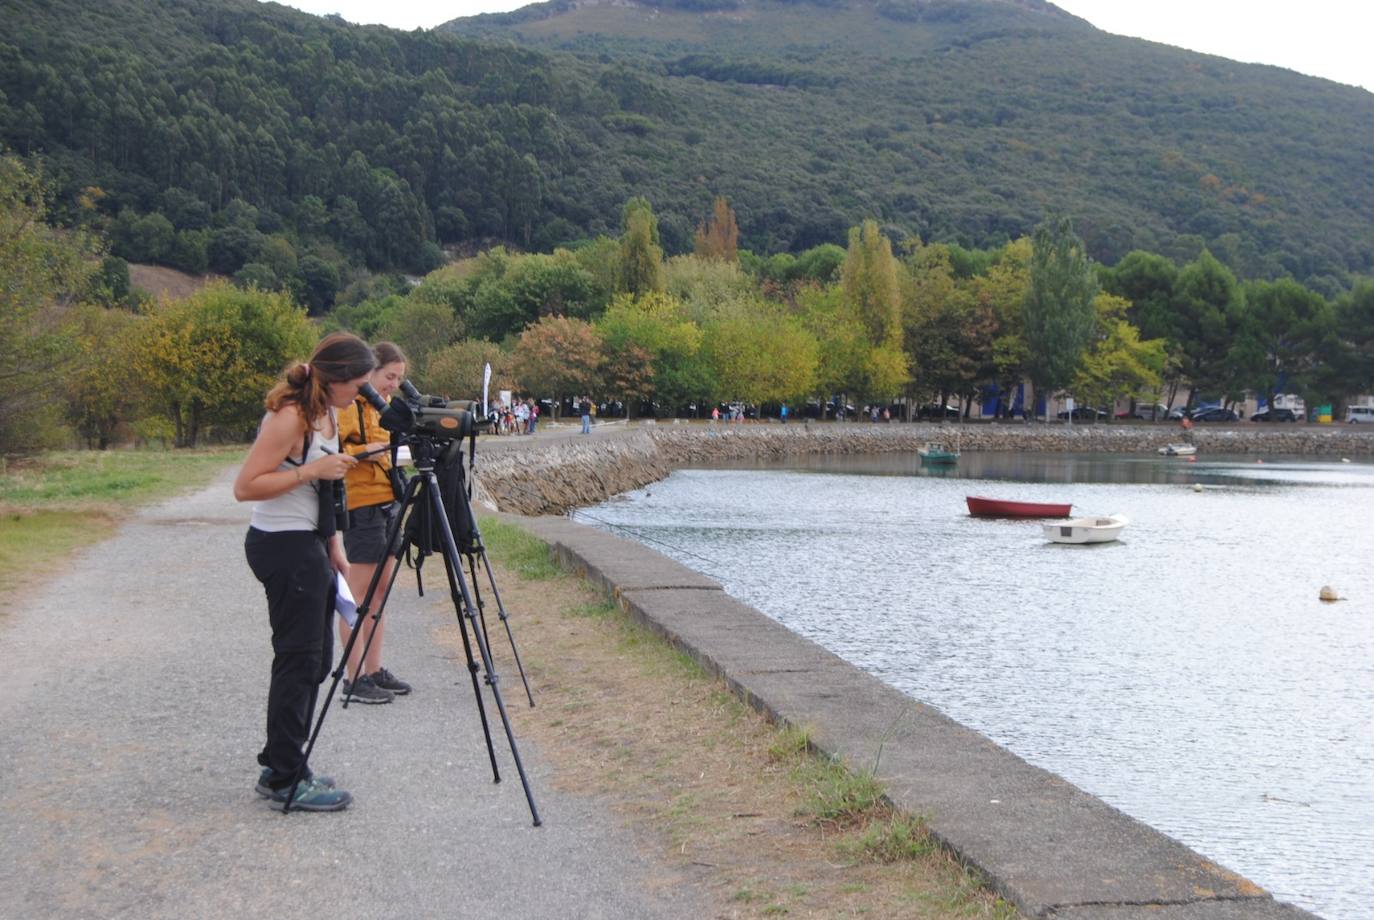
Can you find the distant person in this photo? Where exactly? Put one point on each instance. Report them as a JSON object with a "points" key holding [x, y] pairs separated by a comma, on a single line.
{"points": [[295, 552], [584, 409], [522, 417], [533, 415], [715, 414], [372, 509], [783, 413]]}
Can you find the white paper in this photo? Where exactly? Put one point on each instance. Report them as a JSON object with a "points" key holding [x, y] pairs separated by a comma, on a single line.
{"points": [[344, 604]]}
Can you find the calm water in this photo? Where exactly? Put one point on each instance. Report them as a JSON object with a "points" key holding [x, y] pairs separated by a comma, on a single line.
{"points": [[1187, 674]]}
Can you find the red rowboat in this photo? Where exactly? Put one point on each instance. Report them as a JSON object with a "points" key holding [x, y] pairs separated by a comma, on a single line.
{"points": [[996, 507]]}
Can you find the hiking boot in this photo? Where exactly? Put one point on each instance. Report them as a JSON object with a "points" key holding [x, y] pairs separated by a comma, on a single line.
{"points": [[312, 795], [365, 690], [264, 790], [390, 682]]}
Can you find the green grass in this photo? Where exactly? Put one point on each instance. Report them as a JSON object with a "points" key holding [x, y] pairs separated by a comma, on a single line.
{"points": [[900, 838], [55, 503], [526, 555], [124, 478]]}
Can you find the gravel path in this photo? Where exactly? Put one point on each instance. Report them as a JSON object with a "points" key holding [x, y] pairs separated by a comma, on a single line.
{"points": [[133, 713]]}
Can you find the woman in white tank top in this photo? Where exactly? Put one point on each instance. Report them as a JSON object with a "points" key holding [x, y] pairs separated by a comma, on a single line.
{"points": [[289, 471]]}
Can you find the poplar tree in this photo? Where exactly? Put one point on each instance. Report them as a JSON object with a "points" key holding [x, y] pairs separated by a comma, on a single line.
{"points": [[1058, 312], [641, 255], [718, 237], [870, 284]]}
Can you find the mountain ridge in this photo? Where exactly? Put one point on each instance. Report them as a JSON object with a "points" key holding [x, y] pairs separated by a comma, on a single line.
{"points": [[969, 121]]}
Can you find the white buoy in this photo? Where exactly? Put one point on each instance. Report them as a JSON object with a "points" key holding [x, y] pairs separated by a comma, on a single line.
{"points": [[1345, 459], [1197, 487], [1328, 593]]}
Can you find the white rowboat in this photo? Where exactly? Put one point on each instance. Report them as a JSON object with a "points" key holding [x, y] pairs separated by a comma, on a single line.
{"points": [[1178, 450], [1087, 530]]}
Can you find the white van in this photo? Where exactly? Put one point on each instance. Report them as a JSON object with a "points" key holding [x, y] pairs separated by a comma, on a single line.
{"points": [[1364, 414]]}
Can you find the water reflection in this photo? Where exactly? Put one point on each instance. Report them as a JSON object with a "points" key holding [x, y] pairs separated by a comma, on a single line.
{"points": [[1023, 466], [1187, 673]]}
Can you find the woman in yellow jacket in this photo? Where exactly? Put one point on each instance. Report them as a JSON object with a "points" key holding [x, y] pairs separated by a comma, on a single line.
{"points": [[372, 507]]}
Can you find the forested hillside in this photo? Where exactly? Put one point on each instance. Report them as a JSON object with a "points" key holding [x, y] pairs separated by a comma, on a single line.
{"points": [[255, 141]]}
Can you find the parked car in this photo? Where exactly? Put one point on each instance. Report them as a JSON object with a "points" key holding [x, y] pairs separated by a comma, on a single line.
{"points": [[1178, 413], [1086, 413], [1215, 414], [1147, 412], [935, 410], [1277, 415], [1359, 414]]}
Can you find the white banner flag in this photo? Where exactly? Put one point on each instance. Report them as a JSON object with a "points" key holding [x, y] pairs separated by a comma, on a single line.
{"points": [[486, 382]]}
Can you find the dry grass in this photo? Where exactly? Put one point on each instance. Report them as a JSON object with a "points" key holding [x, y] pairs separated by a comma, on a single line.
{"points": [[56, 502], [167, 283], [744, 811]]}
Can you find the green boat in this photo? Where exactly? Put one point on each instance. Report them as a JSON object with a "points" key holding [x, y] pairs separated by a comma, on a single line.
{"points": [[934, 454]]}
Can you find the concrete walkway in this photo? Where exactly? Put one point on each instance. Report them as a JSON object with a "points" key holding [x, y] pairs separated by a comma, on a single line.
{"points": [[1047, 846], [135, 690]]}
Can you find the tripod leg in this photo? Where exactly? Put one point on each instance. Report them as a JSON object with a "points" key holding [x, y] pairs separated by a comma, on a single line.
{"points": [[505, 619], [453, 565], [500, 607], [363, 609], [457, 595], [395, 547]]}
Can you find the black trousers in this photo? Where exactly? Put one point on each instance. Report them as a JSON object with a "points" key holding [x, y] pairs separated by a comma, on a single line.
{"points": [[294, 569]]}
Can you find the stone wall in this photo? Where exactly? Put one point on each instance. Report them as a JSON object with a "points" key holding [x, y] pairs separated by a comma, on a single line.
{"points": [[554, 474]]}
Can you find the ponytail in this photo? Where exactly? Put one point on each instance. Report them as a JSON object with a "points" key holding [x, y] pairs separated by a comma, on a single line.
{"points": [[338, 357]]}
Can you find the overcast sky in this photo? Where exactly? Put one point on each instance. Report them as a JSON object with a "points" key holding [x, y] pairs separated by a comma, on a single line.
{"points": [[1324, 38]]}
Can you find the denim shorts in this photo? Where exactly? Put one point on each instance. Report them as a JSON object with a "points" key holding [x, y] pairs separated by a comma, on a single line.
{"points": [[365, 538]]}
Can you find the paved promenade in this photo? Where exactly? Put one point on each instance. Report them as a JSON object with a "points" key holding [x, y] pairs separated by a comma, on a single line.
{"points": [[135, 686]]}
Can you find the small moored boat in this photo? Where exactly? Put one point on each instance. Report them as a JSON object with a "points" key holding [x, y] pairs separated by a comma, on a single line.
{"points": [[997, 507], [1087, 529], [1178, 450], [932, 453]]}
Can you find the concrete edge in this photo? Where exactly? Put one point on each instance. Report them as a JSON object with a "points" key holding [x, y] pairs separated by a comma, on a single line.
{"points": [[1044, 845]]}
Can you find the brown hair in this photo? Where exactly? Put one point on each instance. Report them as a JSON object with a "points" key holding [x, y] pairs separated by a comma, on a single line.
{"points": [[338, 357], [388, 353]]}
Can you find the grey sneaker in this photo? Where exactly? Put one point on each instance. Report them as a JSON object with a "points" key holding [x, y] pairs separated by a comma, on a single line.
{"points": [[264, 790], [312, 795], [390, 682], [365, 690]]}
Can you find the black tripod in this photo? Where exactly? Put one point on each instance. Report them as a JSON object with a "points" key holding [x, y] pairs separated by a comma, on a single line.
{"points": [[422, 505]]}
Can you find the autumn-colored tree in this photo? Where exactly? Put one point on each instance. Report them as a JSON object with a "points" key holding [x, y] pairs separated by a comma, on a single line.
{"points": [[208, 359], [762, 366], [1117, 363], [706, 286], [717, 237], [558, 357], [641, 255], [651, 335], [843, 342], [870, 279]]}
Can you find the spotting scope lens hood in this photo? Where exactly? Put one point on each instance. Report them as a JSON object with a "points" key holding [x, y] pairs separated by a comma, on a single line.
{"points": [[368, 392]]}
